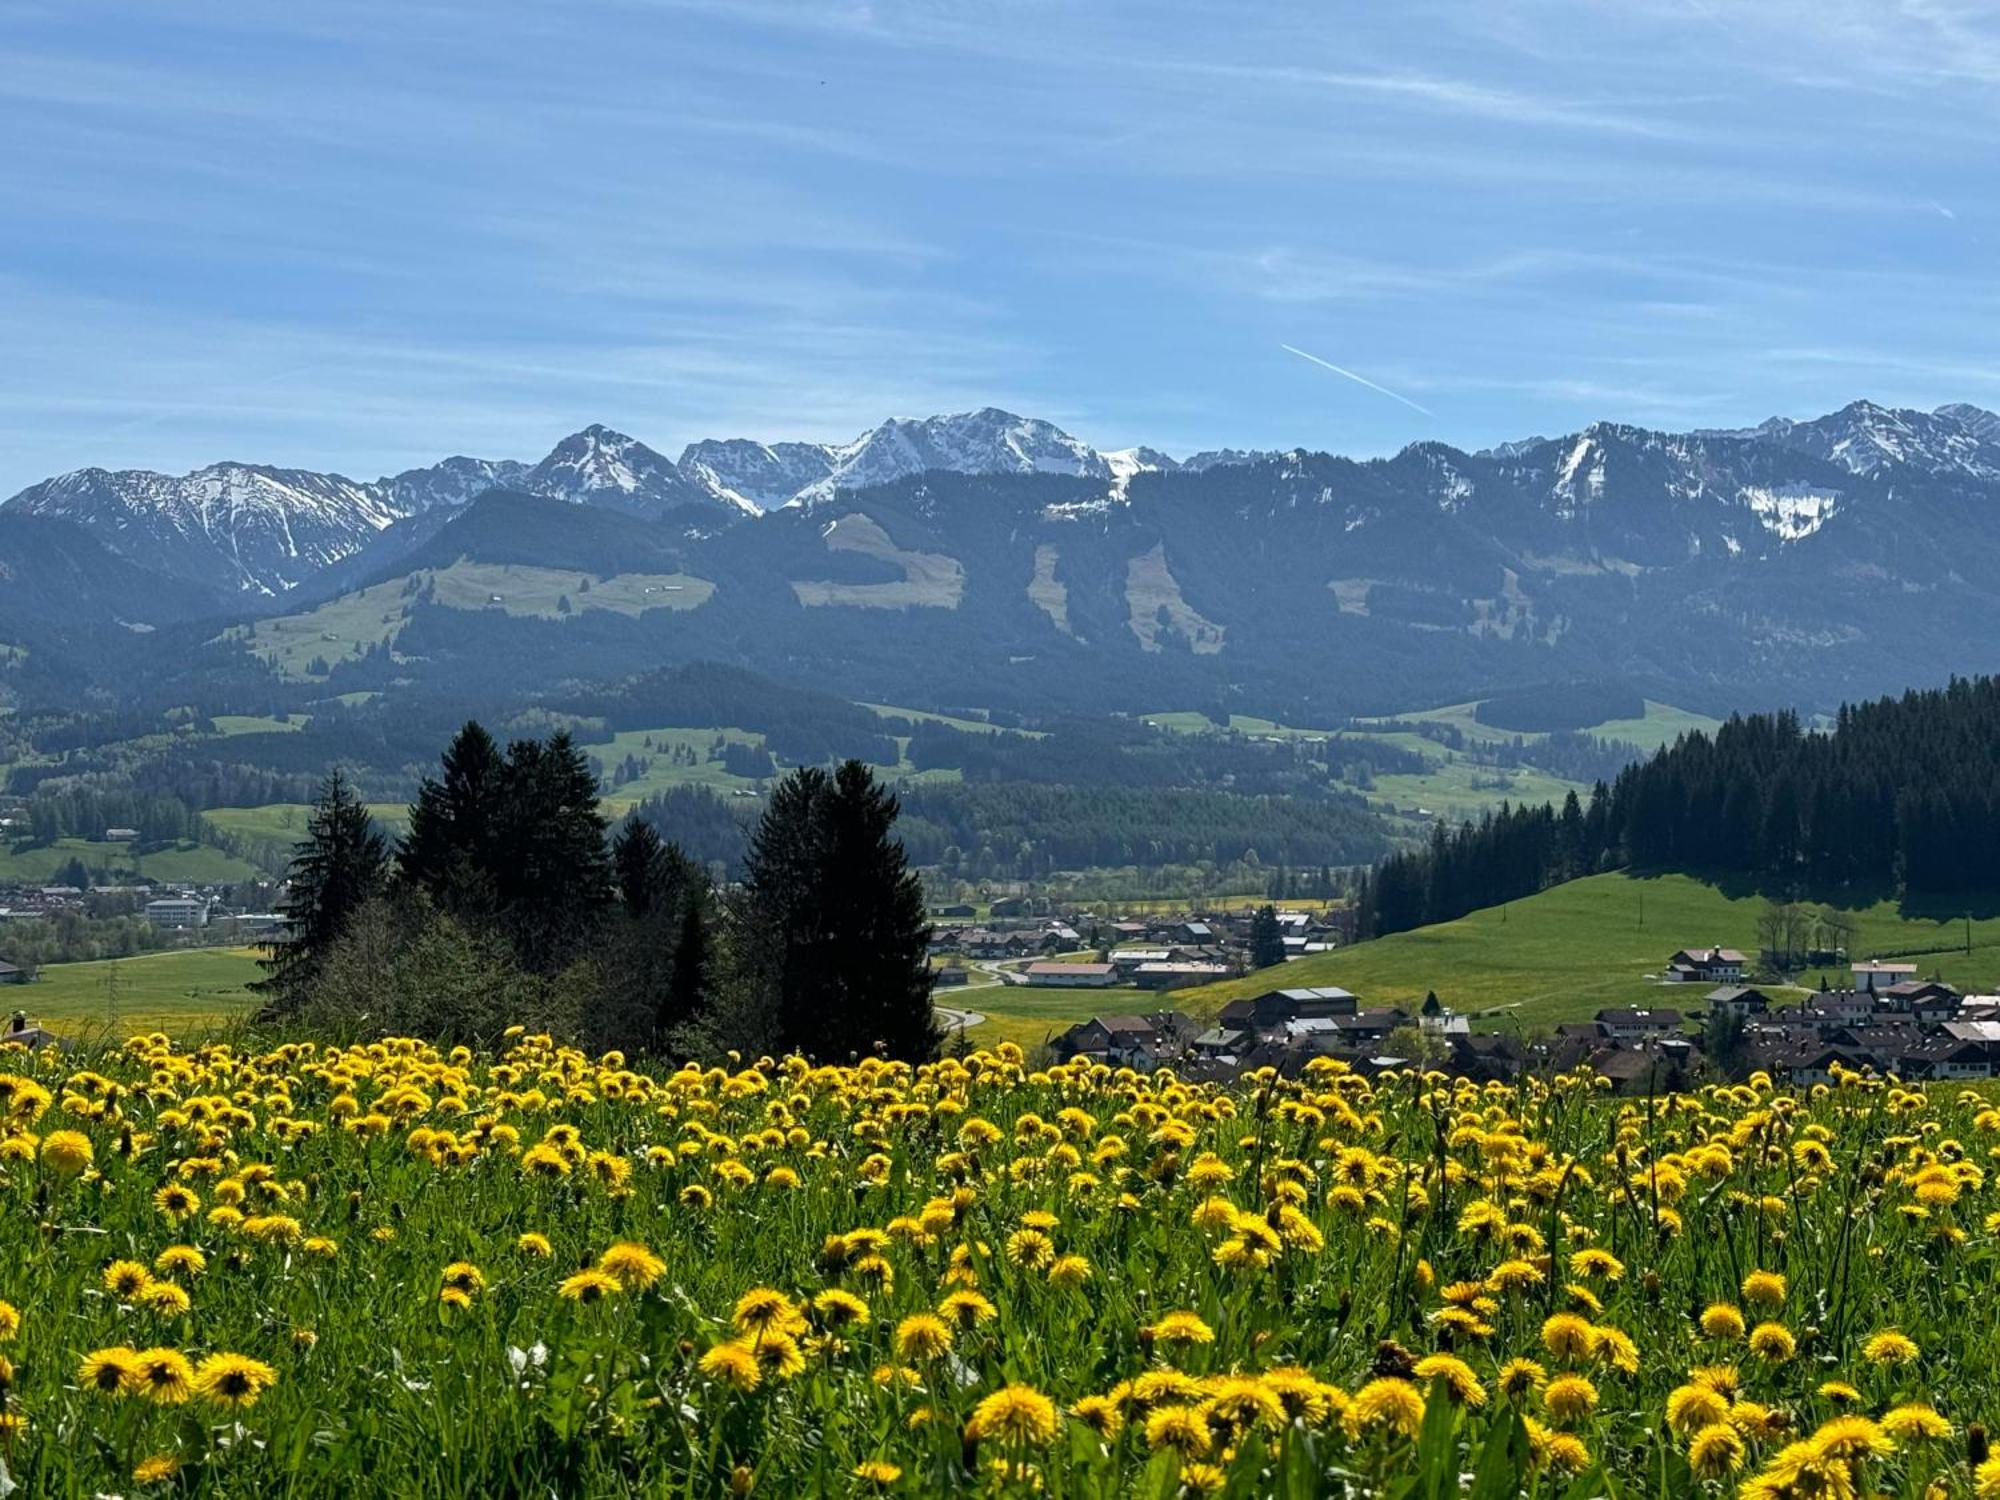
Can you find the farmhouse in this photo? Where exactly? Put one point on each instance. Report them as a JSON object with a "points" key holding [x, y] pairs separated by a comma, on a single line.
{"points": [[1874, 977], [10, 974], [1127, 1041], [1632, 1024], [1706, 966], [1274, 1007], [1738, 1000], [1174, 976], [1072, 976]]}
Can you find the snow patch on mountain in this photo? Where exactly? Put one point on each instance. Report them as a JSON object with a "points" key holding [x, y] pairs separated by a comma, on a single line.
{"points": [[1791, 512], [1585, 450]]}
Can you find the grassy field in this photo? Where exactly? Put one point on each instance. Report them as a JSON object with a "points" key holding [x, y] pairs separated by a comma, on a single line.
{"points": [[655, 748], [1456, 790], [193, 863], [1030, 1015], [1563, 955], [1661, 724], [969, 726], [350, 625], [285, 822], [1452, 787], [176, 992], [228, 725]]}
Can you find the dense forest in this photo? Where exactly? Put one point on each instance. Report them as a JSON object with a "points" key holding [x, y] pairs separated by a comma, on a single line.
{"points": [[1009, 831], [1901, 795]]}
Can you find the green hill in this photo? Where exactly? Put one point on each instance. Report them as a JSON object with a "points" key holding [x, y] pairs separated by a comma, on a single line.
{"points": [[1564, 954], [38, 864]]}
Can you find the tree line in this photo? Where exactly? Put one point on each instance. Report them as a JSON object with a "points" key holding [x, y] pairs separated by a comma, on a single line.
{"points": [[510, 899], [1901, 795]]}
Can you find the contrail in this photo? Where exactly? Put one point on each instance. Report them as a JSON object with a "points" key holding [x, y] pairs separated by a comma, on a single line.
{"points": [[1326, 364]]}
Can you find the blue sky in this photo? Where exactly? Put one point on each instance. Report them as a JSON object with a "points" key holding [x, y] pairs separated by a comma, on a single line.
{"points": [[360, 236]]}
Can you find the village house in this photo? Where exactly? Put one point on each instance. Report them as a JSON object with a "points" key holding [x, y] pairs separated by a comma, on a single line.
{"points": [[1072, 976], [1738, 1000], [1178, 974], [1369, 1026], [1128, 1041], [1129, 959], [1271, 1009], [1634, 1024], [1706, 966], [1926, 999], [1830, 1008], [1872, 976]]}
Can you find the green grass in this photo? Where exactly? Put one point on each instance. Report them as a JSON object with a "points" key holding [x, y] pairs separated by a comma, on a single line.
{"points": [[925, 716], [1453, 788], [286, 821], [234, 724], [1189, 722], [1661, 724], [348, 626], [1033, 1014], [184, 990], [663, 774], [1570, 951], [196, 864], [1457, 790]]}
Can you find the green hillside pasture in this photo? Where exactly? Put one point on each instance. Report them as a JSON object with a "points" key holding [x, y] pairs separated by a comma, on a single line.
{"points": [[654, 749], [1661, 724], [1570, 951], [197, 864], [268, 833], [969, 726], [350, 625], [1457, 790], [229, 725], [178, 992]]}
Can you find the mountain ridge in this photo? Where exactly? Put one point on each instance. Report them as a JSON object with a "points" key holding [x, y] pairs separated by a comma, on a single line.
{"points": [[1833, 556]]}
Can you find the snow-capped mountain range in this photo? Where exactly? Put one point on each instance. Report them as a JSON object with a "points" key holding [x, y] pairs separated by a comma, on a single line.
{"points": [[260, 530], [253, 530]]}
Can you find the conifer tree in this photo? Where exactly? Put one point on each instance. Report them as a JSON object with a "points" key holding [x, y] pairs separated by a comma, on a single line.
{"points": [[1267, 940], [342, 862], [840, 918]]}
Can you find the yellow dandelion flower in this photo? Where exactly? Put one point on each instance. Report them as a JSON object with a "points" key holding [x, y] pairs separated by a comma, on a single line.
{"points": [[922, 1336], [633, 1265], [1016, 1415], [732, 1364], [588, 1286], [1181, 1429], [1387, 1403], [1889, 1348], [233, 1379], [1716, 1452], [1569, 1398]]}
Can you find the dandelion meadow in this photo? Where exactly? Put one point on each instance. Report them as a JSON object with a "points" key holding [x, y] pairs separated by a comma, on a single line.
{"points": [[386, 1269]]}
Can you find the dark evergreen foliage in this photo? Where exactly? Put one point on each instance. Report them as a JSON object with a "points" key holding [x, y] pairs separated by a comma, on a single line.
{"points": [[514, 841], [1267, 941], [1900, 795], [342, 863], [840, 919]]}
